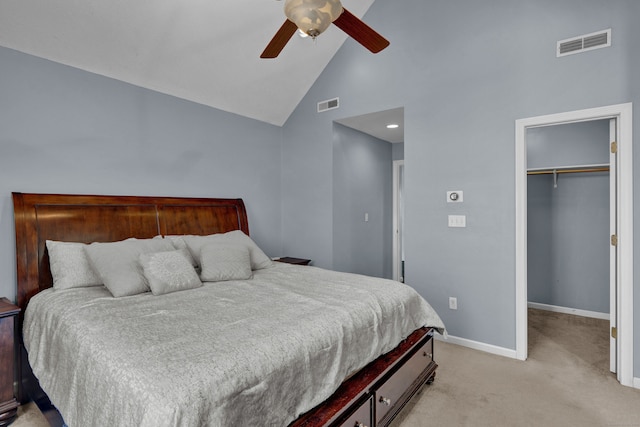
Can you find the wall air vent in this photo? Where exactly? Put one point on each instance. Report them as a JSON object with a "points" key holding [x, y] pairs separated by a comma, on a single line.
{"points": [[329, 104], [584, 43]]}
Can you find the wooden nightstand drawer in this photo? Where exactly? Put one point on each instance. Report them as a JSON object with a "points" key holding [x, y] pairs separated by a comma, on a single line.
{"points": [[8, 402], [296, 261]]}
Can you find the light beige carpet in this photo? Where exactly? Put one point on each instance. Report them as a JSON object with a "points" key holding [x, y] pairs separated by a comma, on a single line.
{"points": [[565, 382], [30, 416]]}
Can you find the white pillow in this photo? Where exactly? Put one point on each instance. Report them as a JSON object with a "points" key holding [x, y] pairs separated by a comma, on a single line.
{"points": [[70, 267], [169, 271], [178, 242], [117, 263], [259, 259], [224, 262]]}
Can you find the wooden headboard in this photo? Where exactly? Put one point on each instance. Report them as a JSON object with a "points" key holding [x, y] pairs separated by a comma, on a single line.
{"points": [[84, 218]]}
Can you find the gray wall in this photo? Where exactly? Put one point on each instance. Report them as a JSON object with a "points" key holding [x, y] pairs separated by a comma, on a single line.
{"points": [[464, 71], [362, 183], [568, 226], [397, 151], [584, 143], [68, 131], [568, 241]]}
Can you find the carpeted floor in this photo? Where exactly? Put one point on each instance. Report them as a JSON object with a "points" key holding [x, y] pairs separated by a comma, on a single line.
{"points": [[565, 382]]}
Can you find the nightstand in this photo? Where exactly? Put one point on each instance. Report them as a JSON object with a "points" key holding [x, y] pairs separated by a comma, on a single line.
{"points": [[296, 261], [8, 403]]}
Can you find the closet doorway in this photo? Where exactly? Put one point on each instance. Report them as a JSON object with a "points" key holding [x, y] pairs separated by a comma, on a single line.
{"points": [[570, 218], [617, 121]]}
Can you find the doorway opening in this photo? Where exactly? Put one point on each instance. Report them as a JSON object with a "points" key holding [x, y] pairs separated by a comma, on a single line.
{"points": [[622, 212], [366, 150], [570, 218]]}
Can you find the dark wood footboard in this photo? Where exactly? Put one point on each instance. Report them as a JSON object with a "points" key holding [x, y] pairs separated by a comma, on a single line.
{"points": [[377, 393]]}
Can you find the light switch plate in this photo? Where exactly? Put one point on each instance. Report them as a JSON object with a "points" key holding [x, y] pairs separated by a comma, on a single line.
{"points": [[457, 220]]}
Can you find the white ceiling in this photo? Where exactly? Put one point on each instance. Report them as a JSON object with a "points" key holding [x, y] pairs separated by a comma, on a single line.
{"points": [[375, 124], [203, 51]]}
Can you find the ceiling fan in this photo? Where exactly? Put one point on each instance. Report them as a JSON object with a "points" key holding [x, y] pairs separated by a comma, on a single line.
{"points": [[312, 17]]}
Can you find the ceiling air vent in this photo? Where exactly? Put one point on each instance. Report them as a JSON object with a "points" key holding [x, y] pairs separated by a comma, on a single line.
{"points": [[329, 104], [584, 43]]}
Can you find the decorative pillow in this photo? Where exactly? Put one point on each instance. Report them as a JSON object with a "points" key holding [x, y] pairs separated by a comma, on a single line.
{"points": [[117, 263], [70, 267], [259, 259], [168, 272], [224, 262], [179, 243]]}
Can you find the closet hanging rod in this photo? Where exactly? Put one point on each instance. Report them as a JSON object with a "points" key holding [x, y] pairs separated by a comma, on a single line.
{"points": [[559, 171], [601, 167]]}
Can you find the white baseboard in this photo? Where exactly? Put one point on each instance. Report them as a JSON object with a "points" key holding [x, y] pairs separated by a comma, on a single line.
{"points": [[636, 382], [476, 345], [567, 310]]}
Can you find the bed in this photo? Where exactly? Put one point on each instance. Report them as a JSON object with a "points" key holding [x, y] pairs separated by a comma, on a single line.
{"points": [[163, 359]]}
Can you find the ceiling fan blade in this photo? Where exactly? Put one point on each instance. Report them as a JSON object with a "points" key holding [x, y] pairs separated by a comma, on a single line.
{"points": [[360, 32], [279, 41]]}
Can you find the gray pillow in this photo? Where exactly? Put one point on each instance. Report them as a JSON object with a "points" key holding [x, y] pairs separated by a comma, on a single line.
{"points": [[259, 259], [70, 267], [117, 263], [168, 272], [224, 262], [178, 242]]}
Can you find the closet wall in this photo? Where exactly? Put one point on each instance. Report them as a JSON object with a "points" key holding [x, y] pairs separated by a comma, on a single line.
{"points": [[568, 224]]}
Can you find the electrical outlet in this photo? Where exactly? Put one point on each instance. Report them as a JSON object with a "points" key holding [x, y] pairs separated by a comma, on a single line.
{"points": [[453, 303]]}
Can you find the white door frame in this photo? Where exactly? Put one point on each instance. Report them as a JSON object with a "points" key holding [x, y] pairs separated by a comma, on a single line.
{"points": [[623, 113], [397, 248], [613, 250]]}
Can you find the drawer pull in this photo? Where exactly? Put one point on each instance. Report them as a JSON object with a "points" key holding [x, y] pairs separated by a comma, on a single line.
{"points": [[429, 355], [385, 400], [359, 424]]}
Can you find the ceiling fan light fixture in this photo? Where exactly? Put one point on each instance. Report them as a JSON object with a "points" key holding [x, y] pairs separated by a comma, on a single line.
{"points": [[312, 17]]}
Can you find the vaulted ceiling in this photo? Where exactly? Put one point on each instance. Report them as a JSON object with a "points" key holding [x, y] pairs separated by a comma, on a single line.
{"points": [[203, 51]]}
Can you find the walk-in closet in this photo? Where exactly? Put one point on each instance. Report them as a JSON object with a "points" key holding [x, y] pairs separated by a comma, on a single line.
{"points": [[568, 218]]}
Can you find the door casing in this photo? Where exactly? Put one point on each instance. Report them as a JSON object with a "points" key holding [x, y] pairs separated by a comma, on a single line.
{"points": [[398, 166], [623, 113]]}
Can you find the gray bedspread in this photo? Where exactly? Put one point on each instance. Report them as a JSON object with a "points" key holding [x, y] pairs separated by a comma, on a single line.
{"points": [[258, 352]]}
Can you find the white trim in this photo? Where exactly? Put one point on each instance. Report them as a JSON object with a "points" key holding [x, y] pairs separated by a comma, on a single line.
{"points": [[624, 115], [625, 244], [477, 345], [613, 250], [568, 310], [397, 250], [636, 382], [522, 338]]}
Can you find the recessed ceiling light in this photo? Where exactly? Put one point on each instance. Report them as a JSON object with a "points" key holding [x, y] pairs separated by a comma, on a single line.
{"points": [[392, 126]]}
